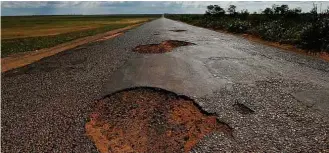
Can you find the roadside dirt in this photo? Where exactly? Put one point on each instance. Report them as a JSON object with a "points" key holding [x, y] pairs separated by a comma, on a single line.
{"points": [[109, 37], [166, 46], [25, 58], [149, 120], [322, 55]]}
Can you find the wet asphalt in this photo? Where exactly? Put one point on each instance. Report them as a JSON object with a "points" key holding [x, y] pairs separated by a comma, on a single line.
{"points": [[273, 99]]}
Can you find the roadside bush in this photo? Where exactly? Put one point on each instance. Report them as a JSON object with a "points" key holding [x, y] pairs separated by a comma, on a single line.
{"points": [[304, 32], [215, 24], [271, 31], [238, 26], [315, 36]]}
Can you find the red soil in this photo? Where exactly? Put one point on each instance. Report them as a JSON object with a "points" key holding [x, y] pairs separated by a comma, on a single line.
{"points": [[149, 120], [166, 46]]}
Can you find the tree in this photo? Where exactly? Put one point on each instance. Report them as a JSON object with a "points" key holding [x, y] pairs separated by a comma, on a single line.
{"points": [[215, 10], [244, 11], [327, 11], [268, 11], [293, 13], [283, 9], [243, 14], [314, 10], [231, 9], [297, 10], [275, 9]]}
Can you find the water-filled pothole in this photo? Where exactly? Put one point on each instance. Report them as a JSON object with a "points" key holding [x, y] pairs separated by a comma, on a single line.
{"points": [[163, 47], [149, 120], [177, 30]]}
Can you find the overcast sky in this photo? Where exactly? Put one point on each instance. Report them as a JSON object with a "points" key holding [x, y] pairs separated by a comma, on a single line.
{"points": [[71, 7]]}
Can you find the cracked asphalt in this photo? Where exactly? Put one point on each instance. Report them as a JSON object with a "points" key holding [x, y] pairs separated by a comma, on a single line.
{"points": [[45, 104]]}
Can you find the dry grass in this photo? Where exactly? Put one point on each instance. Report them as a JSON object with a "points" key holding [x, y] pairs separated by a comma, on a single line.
{"points": [[55, 29]]}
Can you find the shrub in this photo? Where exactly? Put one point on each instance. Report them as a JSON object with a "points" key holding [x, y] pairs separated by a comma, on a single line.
{"points": [[272, 31], [307, 31], [315, 36], [238, 26]]}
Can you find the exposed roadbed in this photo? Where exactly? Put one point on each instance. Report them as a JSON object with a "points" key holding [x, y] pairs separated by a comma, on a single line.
{"points": [[264, 94]]}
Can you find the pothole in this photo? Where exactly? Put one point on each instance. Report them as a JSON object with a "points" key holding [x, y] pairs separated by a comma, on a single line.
{"points": [[243, 109], [177, 30], [163, 47], [149, 120]]}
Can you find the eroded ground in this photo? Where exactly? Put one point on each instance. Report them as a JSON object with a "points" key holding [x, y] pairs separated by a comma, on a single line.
{"points": [[149, 120], [163, 47]]}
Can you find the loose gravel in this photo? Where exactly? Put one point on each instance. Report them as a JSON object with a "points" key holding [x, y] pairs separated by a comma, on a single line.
{"points": [[277, 123]]}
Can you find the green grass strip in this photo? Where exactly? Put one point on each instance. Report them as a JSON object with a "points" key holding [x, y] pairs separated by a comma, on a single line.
{"points": [[11, 46]]}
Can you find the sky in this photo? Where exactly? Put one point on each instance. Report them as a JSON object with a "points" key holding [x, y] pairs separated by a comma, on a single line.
{"points": [[15, 8]]}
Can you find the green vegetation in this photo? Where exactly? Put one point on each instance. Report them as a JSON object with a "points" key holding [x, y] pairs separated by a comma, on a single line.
{"points": [[308, 31], [10, 46], [28, 33]]}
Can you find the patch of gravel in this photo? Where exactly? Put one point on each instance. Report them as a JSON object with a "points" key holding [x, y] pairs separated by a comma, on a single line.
{"points": [[278, 123]]}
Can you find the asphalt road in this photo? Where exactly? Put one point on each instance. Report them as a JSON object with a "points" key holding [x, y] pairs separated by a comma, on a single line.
{"points": [[45, 105]]}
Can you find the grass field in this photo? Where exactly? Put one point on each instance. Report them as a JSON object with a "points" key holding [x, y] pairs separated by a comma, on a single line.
{"points": [[28, 33]]}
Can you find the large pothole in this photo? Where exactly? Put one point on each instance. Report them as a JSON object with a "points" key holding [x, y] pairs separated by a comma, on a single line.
{"points": [[163, 47], [149, 120]]}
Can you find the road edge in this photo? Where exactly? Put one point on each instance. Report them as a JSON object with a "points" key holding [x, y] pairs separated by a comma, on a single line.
{"points": [[22, 59]]}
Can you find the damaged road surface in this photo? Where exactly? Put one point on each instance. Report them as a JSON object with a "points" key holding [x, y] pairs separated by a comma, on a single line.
{"points": [[163, 47], [149, 120], [157, 88]]}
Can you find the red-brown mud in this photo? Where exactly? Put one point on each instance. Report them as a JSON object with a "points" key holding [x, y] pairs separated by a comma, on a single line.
{"points": [[149, 120], [166, 46]]}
